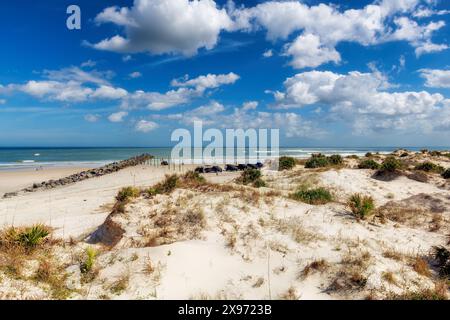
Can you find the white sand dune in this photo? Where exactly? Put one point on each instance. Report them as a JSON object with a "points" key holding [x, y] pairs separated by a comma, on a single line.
{"points": [[235, 243]]}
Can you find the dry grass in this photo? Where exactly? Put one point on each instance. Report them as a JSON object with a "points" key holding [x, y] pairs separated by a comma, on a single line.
{"points": [[393, 255], [290, 294], [436, 222], [294, 228], [420, 266], [389, 277], [402, 214], [439, 292], [259, 282], [351, 274], [121, 284], [172, 223], [54, 275], [319, 265]]}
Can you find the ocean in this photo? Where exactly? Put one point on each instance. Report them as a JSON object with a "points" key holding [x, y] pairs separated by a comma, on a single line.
{"points": [[29, 158]]}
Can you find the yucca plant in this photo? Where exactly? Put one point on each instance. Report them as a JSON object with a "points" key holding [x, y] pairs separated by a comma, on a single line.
{"points": [[31, 237]]}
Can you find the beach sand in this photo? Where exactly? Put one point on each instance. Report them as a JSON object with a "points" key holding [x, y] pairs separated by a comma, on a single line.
{"points": [[230, 242]]}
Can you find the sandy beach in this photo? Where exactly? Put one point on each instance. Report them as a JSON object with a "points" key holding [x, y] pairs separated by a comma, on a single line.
{"points": [[11, 181], [216, 238]]}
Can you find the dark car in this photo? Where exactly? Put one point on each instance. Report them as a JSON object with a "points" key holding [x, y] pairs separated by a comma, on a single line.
{"points": [[230, 167], [259, 165], [164, 163], [213, 169], [200, 170], [242, 166], [252, 166]]}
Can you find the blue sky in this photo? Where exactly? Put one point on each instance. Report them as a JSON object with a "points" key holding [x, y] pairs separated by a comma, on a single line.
{"points": [[335, 73]]}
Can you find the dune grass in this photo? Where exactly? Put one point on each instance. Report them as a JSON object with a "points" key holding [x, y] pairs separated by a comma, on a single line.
{"points": [[361, 205], [315, 196]]}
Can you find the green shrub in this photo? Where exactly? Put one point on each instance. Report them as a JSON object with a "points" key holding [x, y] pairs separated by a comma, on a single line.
{"points": [[253, 177], [127, 193], [335, 159], [429, 167], [193, 177], [369, 154], [169, 184], [361, 206], [369, 164], [353, 156], [317, 161], [446, 174], [286, 163], [435, 153], [313, 196], [391, 164]]}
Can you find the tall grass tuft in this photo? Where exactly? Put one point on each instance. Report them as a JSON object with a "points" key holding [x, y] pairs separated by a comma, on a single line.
{"points": [[360, 205]]}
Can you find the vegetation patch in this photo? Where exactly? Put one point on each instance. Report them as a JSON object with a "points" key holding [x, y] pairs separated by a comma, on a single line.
{"points": [[369, 164], [165, 187], [27, 238], [127, 193], [286, 163], [360, 205], [313, 196], [438, 293], [429, 167], [252, 177], [446, 174], [317, 161], [442, 256], [321, 161], [316, 266]]}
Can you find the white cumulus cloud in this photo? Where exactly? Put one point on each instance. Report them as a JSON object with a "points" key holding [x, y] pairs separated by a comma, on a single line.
{"points": [[165, 26]]}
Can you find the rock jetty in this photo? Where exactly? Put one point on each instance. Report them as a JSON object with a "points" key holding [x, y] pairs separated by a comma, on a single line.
{"points": [[84, 175]]}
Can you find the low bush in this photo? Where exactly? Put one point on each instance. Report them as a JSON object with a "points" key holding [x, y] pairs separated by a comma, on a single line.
{"points": [[360, 205], [335, 159], [167, 186], [429, 167], [253, 177], [317, 161], [446, 174], [369, 154], [435, 153], [127, 193], [391, 164], [313, 196], [286, 163], [369, 164]]}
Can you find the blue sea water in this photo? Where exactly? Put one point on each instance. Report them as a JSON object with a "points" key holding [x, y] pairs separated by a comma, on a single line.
{"points": [[26, 158]]}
